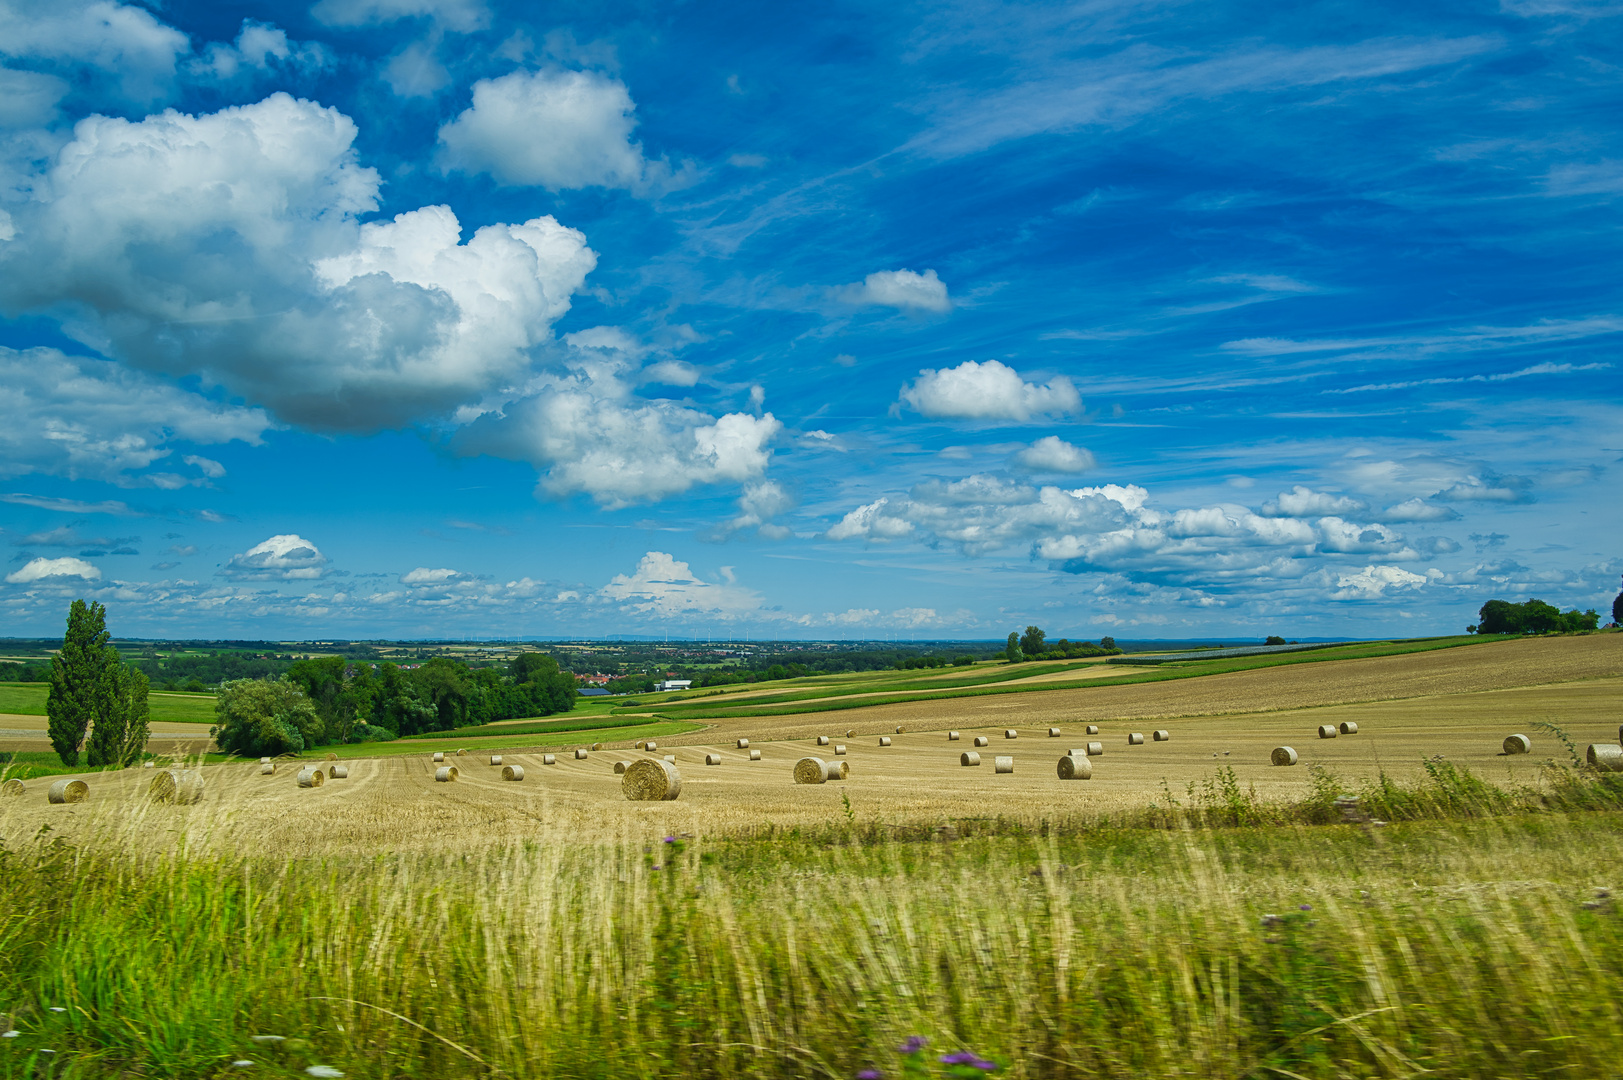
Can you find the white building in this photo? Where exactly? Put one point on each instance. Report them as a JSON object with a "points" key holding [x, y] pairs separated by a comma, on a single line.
{"points": [[674, 684]]}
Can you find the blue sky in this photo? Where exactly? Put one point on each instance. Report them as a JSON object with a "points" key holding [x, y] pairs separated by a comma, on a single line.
{"points": [[445, 317]]}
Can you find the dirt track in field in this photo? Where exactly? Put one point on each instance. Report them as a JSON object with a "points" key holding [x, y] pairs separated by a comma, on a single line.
{"points": [[395, 804]]}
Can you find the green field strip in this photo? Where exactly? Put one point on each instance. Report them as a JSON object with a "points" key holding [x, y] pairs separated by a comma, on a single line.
{"points": [[1163, 673]]}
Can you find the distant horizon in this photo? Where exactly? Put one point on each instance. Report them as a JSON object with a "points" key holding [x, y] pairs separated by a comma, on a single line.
{"points": [[632, 639]]}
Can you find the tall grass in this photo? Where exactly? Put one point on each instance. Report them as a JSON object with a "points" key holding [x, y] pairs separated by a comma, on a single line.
{"points": [[1470, 948]]}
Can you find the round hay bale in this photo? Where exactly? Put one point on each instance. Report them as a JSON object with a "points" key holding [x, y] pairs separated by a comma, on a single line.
{"points": [[839, 748], [839, 770], [1162, 735], [177, 786], [743, 744], [1349, 728], [811, 770], [1010, 733], [1135, 738], [580, 754], [755, 755], [446, 774], [314, 777], [1095, 749], [850, 733], [1053, 733], [671, 758], [1605, 757], [512, 772], [712, 759], [334, 757], [68, 791], [439, 755], [1283, 755], [982, 740], [1518, 744], [549, 759], [952, 736], [968, 758], [596, 747], [898, 729], [264, 761], [267, 769], [650, 746], [1003, 763], [13, 786], [822, 740], [1093, 729], [621, 766], [884, 740], [339, 772], [149, 764], [1327, 731], [495, 759], [1075, 767], [461, 753], [651, 780]]}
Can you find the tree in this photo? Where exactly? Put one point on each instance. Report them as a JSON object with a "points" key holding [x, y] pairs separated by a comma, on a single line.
{"points": [[1274, 639], [1107, 642], [81, 688], [1531, 617], [1617, 609], [120, 736], [258, 718], [1012, 651], [1031, 642]]}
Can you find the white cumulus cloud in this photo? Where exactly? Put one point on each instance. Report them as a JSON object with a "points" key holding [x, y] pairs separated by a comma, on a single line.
{"points": [[288, 557], [110, 40], [553, 129], [904, 290], [42, 569], [1054, 454], [988, 391], [664, 586], [1300, 501], [1371, 583], [587, 433], [227, 246], [425, 576]]}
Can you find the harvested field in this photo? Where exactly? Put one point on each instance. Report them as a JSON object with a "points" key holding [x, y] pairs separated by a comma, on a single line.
{"points": [[393, 803]]}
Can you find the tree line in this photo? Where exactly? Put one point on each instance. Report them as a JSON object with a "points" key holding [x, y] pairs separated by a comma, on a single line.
{"points": [[329, 699], [1531, 617], [1034, 645]]}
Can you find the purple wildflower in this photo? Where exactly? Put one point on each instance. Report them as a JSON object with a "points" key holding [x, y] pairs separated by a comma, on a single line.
{"points": [[670, 839], [914, 1044], [1304, 907], [965, 1057], [870, 1074]]}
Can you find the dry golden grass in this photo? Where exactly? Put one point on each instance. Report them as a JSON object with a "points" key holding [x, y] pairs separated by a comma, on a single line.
{"points": [[394, 804]]}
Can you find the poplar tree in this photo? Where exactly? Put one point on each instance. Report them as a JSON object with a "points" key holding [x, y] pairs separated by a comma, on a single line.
{"points": [[81, 689], [120, 737]]}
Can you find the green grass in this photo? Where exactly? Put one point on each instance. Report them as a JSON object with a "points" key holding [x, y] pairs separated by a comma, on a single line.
{"points": [[817, 700], [28, 699], [1455, 949]]}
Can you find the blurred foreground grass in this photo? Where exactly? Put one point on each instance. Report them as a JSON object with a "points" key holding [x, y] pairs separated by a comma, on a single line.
{"points": [[1468, 948]]}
